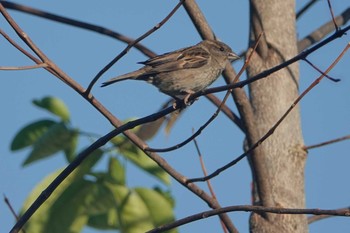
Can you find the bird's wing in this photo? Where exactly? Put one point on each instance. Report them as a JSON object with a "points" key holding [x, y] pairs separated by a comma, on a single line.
{"points": [[192, 57]]}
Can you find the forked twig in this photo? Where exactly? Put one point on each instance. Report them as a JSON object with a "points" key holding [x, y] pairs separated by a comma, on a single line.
{"points": [[130, 45]]}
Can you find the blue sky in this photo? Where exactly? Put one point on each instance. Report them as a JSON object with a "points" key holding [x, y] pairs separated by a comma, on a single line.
{"points": [[81, 54]]}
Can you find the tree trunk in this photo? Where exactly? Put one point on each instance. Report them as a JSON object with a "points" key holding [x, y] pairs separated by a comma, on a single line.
{"points": [[278, 163]]}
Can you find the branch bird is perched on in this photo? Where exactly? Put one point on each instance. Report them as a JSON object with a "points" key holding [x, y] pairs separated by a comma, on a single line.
{"points": [[183, 72]]}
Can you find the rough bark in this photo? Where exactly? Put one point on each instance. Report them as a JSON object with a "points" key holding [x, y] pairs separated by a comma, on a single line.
{"points": [[278, 164]]}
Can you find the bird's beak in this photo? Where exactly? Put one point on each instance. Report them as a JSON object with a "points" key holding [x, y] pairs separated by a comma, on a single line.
{"points": [[232, 56]]}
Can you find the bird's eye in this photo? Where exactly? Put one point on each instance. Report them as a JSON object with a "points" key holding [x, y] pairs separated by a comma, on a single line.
{"points": [[222, 49]]}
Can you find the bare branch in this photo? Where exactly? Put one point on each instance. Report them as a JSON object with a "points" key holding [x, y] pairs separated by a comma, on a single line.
{"points": [[266, 73], [246, 208], [315, 218], [227, 111], [130, 45], [273, 128], [327, 142], [199, 20], [210, 187], [320, 71], [322, 31], [120, 128], [332, 14], [305, 8], [17, 46], [42, 65], [77, 23]]}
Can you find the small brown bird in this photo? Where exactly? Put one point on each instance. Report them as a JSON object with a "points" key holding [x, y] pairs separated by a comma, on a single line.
{"points": [[183, 72]]}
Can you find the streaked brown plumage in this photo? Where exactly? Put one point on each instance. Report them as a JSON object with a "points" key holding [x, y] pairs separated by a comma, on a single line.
{"points": [[183, 72]]}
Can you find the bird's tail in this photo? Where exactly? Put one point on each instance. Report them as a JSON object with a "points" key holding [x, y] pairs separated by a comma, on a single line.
{"points": [[132, 75]]}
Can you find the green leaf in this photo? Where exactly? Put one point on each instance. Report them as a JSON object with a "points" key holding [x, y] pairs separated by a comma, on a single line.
{"points": [[137, 210], [41, 220], [30, 134], [55, 106], [116, 171], [159, 207], [136, 156], [71, 146], [67, 213], [56, 138], [133, 215], [106, 221], [91, 160]]}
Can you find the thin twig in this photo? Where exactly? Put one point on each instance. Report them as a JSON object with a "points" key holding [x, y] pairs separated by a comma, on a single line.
{"points": [[7, 201], [227, 111], [327, 142], [333, 18], [77, 23], [315, 218], [273, 128], [247, 208], [19, 48], [318, 34], [114, 121], [268, 72], [320, 71], [42, 65], [130, 135], [130, 45], [305, 8], [210, 187]]}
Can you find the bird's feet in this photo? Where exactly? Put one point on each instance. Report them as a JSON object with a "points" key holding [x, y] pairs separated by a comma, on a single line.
{"points": [[183, 103]]}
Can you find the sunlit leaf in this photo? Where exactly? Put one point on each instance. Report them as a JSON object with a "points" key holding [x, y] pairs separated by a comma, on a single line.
{"points": [[159, 207], [133, 215], [67, 213], [41, 220], [137, 156], [116, 171], [55, 106], [71, 146]]}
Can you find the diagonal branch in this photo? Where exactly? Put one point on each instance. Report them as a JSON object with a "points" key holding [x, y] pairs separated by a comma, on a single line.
{"points": [[77, 23], [266, 73], [130, 45], [210, 187], [120, 128], [305, 8], [324, 30]]}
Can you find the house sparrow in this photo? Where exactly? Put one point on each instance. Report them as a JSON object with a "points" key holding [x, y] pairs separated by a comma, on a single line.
{"points": [[183, 72]]}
